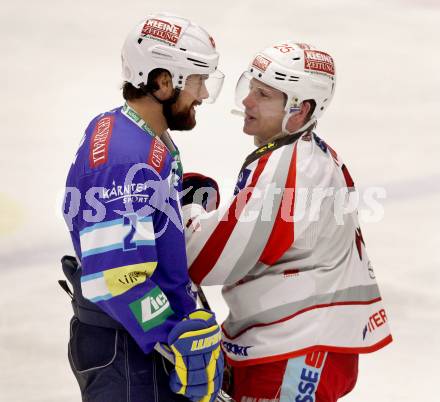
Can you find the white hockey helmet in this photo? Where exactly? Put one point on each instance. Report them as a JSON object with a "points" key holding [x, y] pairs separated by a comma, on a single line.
{"points": [[175, 44], [301, 71]]}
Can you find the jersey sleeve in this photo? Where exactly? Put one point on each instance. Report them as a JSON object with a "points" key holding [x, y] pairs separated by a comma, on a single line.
{"points": [[127, 212], [255, 226]]}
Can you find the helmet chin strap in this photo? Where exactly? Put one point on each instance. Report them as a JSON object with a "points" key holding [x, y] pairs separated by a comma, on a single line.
{"points": [[310, 125], [304, 127]]}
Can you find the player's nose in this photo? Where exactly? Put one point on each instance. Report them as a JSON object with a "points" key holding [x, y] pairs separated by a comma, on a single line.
{"points": [[249, 101]]}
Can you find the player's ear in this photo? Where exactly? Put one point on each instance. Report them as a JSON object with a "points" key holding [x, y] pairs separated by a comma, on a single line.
{"points": [[299, 118], [165, 85], [304, 111]]}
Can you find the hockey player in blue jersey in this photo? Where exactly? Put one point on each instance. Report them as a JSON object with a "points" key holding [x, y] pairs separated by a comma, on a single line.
{"points": [[131, 286]]}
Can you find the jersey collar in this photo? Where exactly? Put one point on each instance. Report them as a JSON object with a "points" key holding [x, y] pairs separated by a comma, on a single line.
{"points": [[272, 146], [132, 115]]}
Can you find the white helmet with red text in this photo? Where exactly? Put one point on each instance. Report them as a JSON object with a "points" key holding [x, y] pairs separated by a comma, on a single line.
{"points": [[175, 44], [300, 71]]}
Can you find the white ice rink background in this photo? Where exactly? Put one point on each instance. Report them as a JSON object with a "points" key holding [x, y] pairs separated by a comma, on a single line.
{"points": [[60, 66]]}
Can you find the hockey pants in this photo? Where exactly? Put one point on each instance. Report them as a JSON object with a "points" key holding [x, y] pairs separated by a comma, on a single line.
{"points": [[110, 367], [315, 377]]}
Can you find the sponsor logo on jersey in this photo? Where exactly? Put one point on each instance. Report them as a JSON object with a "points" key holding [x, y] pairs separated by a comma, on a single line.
{"points": [[261, 63], [320, 62], [115, 281], [121, 279], [134, 116], [235, 349], [375, 321], [207, 342], [309, 377], [242, 179], [99, 142], [157, 154], [304, 374], [321, 143], [133, 192], [152, 309], [162, 30]]}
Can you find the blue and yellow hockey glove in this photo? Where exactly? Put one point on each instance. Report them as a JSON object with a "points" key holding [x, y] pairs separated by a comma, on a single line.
{"points": [[195, 342]]}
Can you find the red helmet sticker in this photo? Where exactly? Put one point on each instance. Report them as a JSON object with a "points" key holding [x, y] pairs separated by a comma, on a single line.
{"points": [[261, 63], [162, 30], [319, 62]]}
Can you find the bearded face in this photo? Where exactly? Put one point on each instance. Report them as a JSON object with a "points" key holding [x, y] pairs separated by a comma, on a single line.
{"points": [[180, 113]]}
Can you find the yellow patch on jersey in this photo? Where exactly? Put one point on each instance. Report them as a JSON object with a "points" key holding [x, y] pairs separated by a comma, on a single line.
{"points": [[121, 279]]}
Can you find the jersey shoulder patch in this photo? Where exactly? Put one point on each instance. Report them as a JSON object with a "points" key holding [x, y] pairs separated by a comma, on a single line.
{"points": [[112, 139], [157, 155], [321, 143], [100, 140]]}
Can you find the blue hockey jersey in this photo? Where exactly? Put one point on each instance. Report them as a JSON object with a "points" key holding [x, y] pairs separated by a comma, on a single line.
{"points": [[123, 212]]}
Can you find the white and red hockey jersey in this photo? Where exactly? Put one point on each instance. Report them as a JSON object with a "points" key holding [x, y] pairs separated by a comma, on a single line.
{"points": [[294, 267]]}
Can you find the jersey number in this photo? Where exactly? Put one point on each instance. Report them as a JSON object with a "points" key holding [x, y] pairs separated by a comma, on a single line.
{"points": [[132, 220]]}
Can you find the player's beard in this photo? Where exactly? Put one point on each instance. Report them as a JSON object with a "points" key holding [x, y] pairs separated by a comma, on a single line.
{"points": [[181, 120]]}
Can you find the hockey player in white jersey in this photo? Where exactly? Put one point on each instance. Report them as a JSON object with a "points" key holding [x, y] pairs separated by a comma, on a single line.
{"points": [[303, 298]]}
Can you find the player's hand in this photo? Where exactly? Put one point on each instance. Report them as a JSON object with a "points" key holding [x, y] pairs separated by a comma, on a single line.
{"points": [[195, 342], [202, 190]]}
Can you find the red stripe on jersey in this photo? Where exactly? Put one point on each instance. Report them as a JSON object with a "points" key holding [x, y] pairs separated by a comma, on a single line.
{"points": [[213, 248], [304, 310], [300, 352], [282, 235], [348, 180], [333, 154]]}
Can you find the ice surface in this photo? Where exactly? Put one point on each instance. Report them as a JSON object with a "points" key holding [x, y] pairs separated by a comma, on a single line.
{"points": [[60, 67]]}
